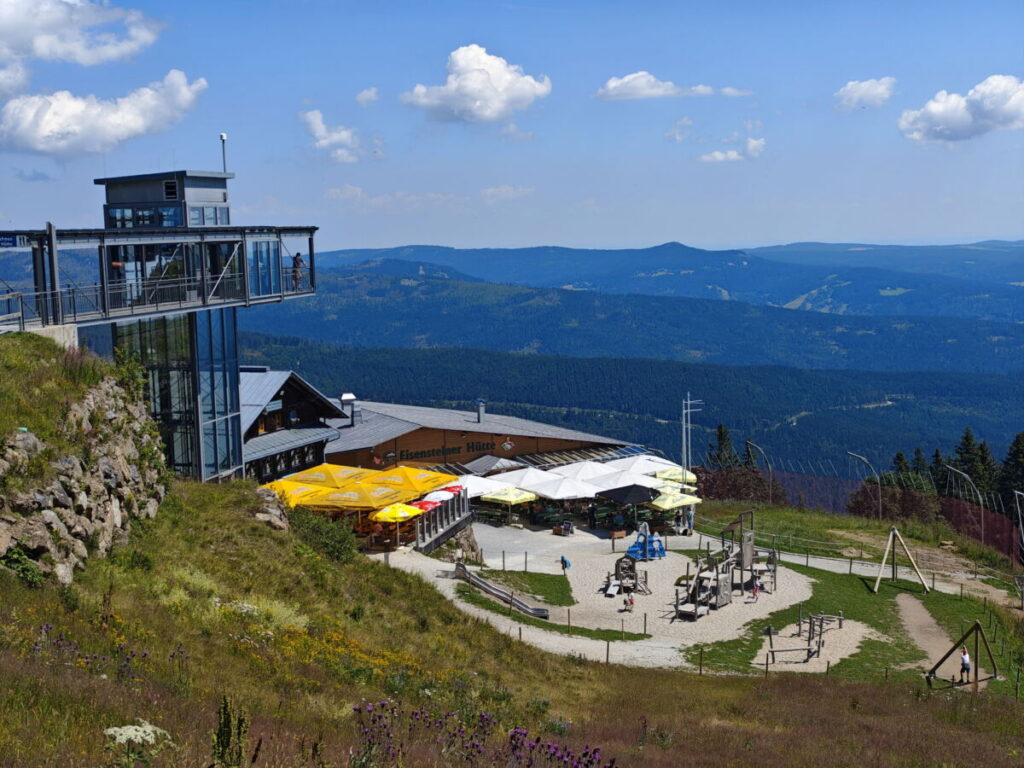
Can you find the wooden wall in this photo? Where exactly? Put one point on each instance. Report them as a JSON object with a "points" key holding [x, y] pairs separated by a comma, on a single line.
{"points": [[427, 446]]}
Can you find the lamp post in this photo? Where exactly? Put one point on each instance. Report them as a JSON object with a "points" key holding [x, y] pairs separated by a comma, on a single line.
{"points": [[878, 480], [977, 493], [767, 463], [1017, 496]]}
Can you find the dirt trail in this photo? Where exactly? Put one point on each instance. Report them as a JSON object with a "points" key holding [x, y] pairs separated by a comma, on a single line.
{"points": [[930, 638]]}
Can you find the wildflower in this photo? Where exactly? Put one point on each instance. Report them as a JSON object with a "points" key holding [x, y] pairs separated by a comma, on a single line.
{"points": [[143, 733]]}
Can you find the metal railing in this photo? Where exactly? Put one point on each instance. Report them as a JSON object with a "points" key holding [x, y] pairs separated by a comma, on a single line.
{"points": [[96, 302]]}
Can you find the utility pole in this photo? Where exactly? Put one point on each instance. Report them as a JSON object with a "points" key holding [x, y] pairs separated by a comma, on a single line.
{"points": [[685, 444], [768, 464], [878, 480], [977, 493]]}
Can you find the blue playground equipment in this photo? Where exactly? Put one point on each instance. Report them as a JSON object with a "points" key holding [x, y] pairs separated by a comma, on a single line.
{"points": [[646, 546]]}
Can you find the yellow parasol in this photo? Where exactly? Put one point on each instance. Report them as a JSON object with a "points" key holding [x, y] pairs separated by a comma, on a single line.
{"points": [[674, 500], [677, 474], [419, 481], [332, 475], [293, 493], [357, 496], [509, 496], [396, 513]]}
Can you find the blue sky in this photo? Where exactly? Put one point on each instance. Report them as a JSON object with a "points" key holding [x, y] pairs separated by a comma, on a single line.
{"points": [[738, 135]]}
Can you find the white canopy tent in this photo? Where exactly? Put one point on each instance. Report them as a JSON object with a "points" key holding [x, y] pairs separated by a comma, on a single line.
{"points": [[582, 470], [481, 486], [530, 475], [648, 465], [620, 479], [562, 488]]}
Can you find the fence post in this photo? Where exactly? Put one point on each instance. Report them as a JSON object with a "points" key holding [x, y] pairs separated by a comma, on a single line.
{"points": [[766, 665], [503, 559], [851, 565], [645, 623], [808, 561], [526, 560], [623, 628], [520, 633], [568, 619], [701, 667], [607, 650]]}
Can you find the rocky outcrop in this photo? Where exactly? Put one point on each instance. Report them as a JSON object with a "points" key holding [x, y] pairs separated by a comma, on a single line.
{"points": [[91, 499], [272, 511]]}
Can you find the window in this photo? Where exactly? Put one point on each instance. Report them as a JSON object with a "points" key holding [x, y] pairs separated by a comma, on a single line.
{"points": [[209, 216], [170, 215], [170, 190], [120, 218], [145, 217], [195, 217]]}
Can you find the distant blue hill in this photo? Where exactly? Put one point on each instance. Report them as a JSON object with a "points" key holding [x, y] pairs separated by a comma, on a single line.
{"points": [[994, 261], [673, 269]]}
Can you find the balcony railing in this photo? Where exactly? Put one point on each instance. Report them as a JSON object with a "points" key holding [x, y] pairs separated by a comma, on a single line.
{"points": [[98, 302]]}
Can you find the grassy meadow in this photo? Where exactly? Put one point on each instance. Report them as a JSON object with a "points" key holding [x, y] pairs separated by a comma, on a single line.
{"points": [[203, 602]]}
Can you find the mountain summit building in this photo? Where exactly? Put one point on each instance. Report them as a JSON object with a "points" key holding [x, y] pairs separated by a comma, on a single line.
{"points": [[171, 273]]}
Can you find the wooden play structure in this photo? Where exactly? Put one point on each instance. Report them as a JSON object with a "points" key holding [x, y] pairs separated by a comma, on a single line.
{"points": [[894, 536], [817, 625], [719, 574], [626, 578], [978, 632]]}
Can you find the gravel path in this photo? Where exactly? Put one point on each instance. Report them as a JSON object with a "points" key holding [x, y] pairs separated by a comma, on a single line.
{"points": [[591, 559], [932, 639], [838, 644]]}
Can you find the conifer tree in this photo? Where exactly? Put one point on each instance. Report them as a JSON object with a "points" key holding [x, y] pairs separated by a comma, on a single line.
{"points": [[723, 455], [919, 463], [987, 468], [1011, 474], [900, 463], [938, 467]]}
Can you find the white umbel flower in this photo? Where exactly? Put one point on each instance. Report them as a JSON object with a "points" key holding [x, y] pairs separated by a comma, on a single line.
{"points": [[143, 733]]}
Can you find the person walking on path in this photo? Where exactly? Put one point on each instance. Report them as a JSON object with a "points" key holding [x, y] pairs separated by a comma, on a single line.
{"points": [[564, 561], [965, 665]]}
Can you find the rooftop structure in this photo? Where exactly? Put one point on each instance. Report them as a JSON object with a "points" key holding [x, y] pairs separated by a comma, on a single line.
{"points": [[374, 434], [171, 271]]}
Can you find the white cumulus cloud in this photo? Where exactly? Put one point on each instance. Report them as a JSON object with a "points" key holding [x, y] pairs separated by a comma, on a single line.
{"points": [[367, 96], [994, 104], [678, 132], [480, 88], [62, 124], [342, 142], [13, 79], [730, 91], [754, 148], [390, 202], [504, 192], [718, 156], [865, 93], [644, 85], [77, 31]]}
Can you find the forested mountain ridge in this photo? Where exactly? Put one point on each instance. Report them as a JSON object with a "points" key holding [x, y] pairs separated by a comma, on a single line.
{"points": [[994, 261], [673, 269], [362, 308], [794, 414]]}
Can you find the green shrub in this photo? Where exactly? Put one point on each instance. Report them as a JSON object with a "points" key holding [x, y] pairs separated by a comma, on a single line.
{"points": [[23, 567], [333, 539]]}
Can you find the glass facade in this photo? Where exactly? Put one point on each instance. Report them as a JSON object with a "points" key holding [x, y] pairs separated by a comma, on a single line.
{"points": [[164, 347], [264, 267], [192, 363], [216, 355], [145, 216], [209, 215]]}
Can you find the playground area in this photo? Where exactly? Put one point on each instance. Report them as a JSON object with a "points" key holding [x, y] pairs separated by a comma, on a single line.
{"points": [[592, 570]]}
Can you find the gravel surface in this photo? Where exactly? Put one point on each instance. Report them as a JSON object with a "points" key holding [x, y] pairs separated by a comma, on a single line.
{"points": [[591, 559], [838, 644]]}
